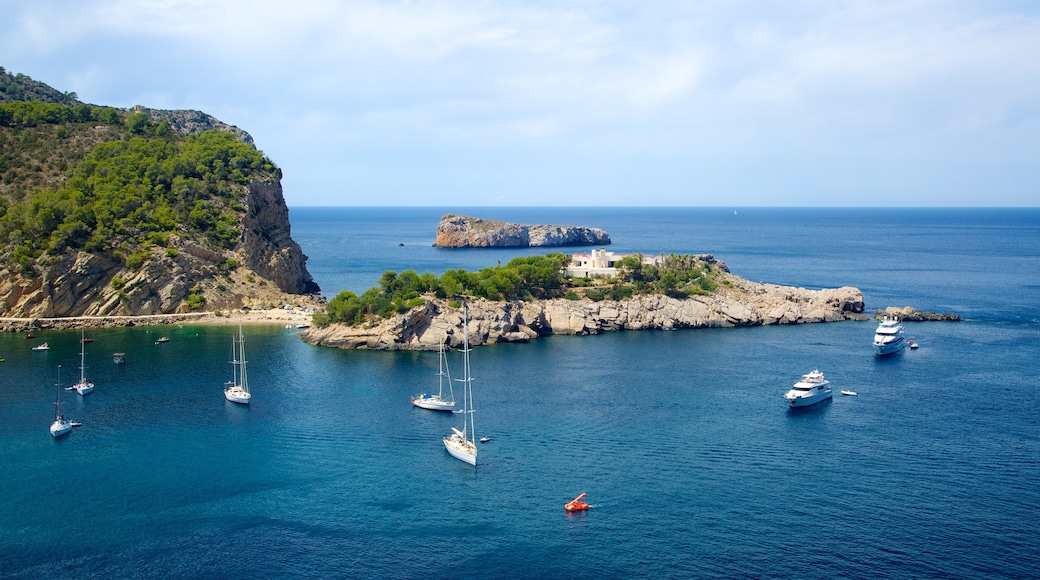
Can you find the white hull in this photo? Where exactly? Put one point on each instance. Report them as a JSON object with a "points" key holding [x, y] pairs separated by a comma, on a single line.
{"points": [[433, 403], [84, 388], [237, 395], [810, 400], [59, 428], [460, 448], [883, 349]]}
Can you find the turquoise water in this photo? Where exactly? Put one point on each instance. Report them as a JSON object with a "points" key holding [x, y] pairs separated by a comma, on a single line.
{"points": [[692, 463]]}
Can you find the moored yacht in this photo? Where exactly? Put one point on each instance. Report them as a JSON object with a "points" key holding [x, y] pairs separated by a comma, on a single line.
{"points": [[811, 389], [888, 338]]}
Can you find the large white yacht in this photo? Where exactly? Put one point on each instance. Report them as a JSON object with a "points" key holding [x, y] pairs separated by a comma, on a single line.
{"points": [[811, 389], [888, 338]]}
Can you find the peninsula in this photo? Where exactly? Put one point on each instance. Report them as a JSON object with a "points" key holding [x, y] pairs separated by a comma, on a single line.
{"points": [[459, 231], [681, 292]]}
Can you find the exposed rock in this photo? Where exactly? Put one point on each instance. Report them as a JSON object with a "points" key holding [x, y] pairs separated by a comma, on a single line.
{"points": [[457, 231], [742, 303], [267, 246], [187, 122], [910, 314], [267, 267]]}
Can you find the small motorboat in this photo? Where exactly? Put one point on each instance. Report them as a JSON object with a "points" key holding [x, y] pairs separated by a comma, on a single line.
{"points": [[43, 346], [162, 339], [76, 424], [850, 393], [485, 439], [119, 358], [913, 344], [30, 335], [576, 505], [88, 339]]}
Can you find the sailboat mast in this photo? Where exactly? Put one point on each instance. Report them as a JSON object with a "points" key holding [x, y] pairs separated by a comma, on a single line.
{"points": [[57, 393], [82, 348], [469, 378], [242, 358]]}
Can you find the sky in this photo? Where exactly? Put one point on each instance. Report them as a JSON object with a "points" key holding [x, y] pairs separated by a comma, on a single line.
{"points": [[837, 103]]}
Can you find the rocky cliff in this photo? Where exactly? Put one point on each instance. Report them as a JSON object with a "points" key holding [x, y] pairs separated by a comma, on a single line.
{"points": [[458, 231], [161, 228], [266, 268], [742, 303]]}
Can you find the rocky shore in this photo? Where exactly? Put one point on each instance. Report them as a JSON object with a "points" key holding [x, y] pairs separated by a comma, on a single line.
{"points": [[278, 316], [743, 303]]}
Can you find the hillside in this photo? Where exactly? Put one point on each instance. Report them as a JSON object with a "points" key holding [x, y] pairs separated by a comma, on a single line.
{"points": [[107, 211]]}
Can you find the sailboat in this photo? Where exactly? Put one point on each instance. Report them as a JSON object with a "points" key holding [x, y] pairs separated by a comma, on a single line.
{"points": [[83, 387], [437, 402], [462, 444], [61, 425], [237, 389]]}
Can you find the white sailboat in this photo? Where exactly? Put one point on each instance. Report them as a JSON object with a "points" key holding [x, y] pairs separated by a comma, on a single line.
{"points": [[61, 425], [237, 389], [463, 444], [83, 387], [438, 402]]}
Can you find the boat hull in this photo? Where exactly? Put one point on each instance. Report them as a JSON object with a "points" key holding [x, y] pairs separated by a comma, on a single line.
{"points": [[59, 428], [461, 450], [83, 388], [885, 349], [433, 403], [811, 400], [237, 395]]}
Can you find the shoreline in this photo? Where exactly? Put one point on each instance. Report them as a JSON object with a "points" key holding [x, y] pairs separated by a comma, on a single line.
{"points": [[272, 316]]}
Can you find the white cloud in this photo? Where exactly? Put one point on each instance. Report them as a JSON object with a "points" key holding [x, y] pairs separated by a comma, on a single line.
{"points": [[593, 88]]}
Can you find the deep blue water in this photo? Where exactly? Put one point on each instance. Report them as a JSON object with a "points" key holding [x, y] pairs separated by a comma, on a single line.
{"points": [[692, 462]]}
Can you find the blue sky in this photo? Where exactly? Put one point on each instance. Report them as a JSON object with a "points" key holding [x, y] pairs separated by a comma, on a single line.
{"points": [[545, 103]]}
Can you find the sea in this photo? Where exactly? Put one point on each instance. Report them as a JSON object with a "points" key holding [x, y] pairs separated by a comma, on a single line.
{"points": [[692, 462]]}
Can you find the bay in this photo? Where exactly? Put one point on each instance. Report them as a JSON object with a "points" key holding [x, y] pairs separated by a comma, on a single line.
{"points": [[693, 464]]}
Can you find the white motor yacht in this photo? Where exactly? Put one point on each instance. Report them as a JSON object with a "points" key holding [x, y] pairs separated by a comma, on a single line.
{"points": [[811, 389], [889, 339]]}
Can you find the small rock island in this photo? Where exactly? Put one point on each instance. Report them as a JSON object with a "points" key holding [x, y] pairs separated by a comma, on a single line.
{"points": [[458, 231]]}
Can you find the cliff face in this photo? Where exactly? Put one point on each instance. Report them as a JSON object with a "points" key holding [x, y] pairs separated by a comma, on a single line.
{"points": [[266, 268], [743, 304], [457, 231], [267, 246]]}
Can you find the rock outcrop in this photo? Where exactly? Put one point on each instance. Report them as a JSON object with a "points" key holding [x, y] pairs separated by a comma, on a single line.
{"points": [[266, 268], [911, 314], [457, 231], [742, 303]]}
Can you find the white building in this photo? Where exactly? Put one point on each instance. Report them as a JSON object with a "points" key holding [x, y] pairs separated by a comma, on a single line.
{"points": [[599, 263]]}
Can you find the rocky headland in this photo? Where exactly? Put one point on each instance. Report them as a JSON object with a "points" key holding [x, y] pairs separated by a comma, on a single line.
{"points": [[177, 237], [741, 303], [458, 231]]}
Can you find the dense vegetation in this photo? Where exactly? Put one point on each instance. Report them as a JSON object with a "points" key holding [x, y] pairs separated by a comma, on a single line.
{"points": [[20, 87], [113, 181], [524, 278]]}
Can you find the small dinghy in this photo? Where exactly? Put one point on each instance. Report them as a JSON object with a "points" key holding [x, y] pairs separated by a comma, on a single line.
{"points": [[850, 393], [485, 439], [576, 505]]}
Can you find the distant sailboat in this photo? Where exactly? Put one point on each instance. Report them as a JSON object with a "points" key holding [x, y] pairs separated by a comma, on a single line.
{"points": [[438, 402], [61, 425], [237, 389], [83, 387], [462, 444]]}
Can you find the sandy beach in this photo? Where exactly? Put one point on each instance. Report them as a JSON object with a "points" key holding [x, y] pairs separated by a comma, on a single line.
{"points": [[278, 316]]}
